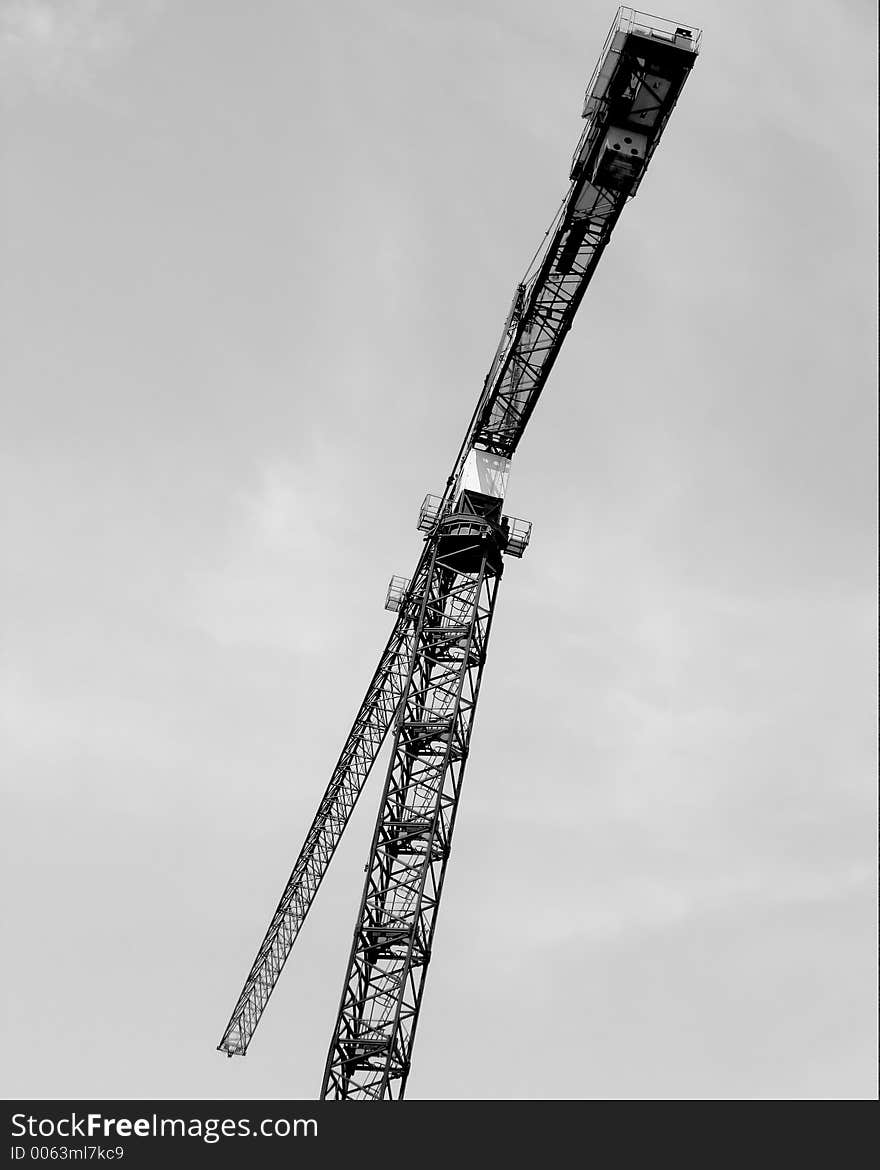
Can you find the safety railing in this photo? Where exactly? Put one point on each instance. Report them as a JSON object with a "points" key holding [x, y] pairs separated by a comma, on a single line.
{"points": [[628, 20], [395, 598]]}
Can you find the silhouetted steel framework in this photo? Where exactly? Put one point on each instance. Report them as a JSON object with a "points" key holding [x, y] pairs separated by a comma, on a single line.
{"points": [[428, 678]]}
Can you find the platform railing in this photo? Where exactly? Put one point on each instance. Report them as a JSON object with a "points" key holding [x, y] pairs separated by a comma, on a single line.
{"points": [[629, 20]]}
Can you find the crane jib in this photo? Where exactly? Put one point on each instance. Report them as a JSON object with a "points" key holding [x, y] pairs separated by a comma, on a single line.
{"points": [[627, 108], [425, 687]]}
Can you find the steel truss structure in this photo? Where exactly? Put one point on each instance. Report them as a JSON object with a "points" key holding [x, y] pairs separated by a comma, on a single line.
{"points": [[370, 1053], [428, 677], [363, 744]]}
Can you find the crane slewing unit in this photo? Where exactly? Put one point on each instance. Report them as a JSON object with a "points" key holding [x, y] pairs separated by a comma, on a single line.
{"points": [[425, 688]]}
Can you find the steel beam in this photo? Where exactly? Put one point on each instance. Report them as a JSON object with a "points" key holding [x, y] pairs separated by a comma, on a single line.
{"points": [[371, 1049]]}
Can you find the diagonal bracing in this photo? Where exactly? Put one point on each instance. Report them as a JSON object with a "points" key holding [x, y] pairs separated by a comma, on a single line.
{"points": [[428, 677], [370, 1052], [359, 752]]}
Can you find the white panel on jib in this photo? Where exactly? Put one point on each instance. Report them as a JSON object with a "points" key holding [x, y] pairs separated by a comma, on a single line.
{"points": [[486, 474]]}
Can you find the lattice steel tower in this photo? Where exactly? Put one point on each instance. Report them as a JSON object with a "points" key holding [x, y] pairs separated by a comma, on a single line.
{"points": [[427, 682]]}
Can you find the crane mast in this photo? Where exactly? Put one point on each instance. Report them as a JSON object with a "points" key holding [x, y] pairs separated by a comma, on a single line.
{"points": [[426, 685]]}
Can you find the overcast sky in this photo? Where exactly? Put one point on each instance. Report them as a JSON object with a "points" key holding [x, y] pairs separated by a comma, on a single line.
{"points": [[255, 262]]}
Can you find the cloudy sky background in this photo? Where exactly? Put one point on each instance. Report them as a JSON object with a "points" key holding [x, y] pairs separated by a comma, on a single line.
{"points": [[255, 262]]}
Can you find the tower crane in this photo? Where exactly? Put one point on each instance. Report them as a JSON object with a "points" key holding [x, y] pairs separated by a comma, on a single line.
{"points": [[425, 688]]}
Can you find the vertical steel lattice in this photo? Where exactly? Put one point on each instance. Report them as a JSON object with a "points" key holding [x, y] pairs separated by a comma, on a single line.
{"points": [[370, 1053]]}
